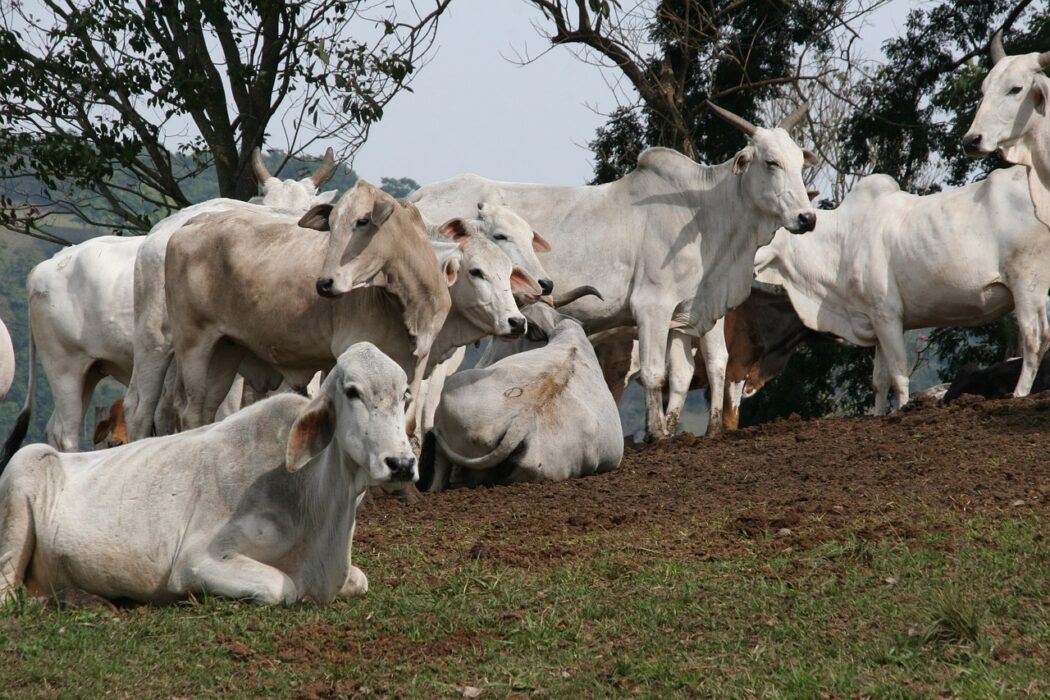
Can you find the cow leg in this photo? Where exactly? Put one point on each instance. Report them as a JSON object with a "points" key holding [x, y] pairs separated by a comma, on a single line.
{"points": [[894, 363], [880, 382], [235, 576], [195, 377], [716, 359], [1035, 337], [17, 531], [356, 582], [68, 389], [653, 327], [680, 368], [146, 393], [615, 360], [734, 394]]}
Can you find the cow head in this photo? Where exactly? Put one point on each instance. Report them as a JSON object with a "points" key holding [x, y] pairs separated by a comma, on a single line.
{"points": [[515, 237], [366, 226], [361, 409], [484, 281], [770, 169], [1014, 97], [294, 195], [112, 429]]}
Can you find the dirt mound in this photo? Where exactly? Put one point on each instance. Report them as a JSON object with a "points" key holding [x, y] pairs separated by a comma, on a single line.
{"points": [[789, 483]]}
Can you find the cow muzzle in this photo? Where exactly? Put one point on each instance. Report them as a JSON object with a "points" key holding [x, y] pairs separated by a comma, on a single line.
{"points": [[974, 147], [326, 287], [805, 221], [402, 469]]}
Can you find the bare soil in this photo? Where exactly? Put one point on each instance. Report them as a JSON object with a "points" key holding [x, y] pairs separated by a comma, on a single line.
{"points": [[792, 483]]}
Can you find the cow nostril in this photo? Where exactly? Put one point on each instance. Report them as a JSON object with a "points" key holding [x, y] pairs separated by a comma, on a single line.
{"points": [[807, 220], [517, 324], [547, 286], [324, 286], [400, 466]]}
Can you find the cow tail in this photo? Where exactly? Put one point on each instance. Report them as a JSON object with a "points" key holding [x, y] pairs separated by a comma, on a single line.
{"points": [[505, 447], [426, 462], [18, 433]]}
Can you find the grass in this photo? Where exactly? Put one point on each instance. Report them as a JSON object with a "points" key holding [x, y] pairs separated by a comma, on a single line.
{"points": [[963, 614]]}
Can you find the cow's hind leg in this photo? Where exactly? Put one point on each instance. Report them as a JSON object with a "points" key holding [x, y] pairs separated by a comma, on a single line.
{"points": [[237, 576], [198, 375], [69, 386], [891, 365], [1035, 337], [145, 394]]}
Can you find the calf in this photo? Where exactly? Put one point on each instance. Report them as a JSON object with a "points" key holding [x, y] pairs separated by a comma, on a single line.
{"points": [[111, 430], [995, 381], [260, 506]]}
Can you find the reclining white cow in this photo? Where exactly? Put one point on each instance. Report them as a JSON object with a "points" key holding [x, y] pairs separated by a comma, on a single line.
{"points": [[261, 506], [887, 261], [538, 412], [378, 269], [671, 244], [82, 309], [1013, 118], [148, 409]]}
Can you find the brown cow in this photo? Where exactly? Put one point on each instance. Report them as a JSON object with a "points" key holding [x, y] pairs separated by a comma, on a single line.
{"points": [[111, 430]]}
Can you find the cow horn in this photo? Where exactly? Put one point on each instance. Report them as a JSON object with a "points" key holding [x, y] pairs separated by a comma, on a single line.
{"points": [[788, 122], [739, 122], [998, 52], [1044, 59], [326, 169], [574, 294], [261, 173]]}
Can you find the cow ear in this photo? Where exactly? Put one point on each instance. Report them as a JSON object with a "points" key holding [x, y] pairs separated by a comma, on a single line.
{"points": [[455, 229], [451, 269], [101, 431], [809, 157], [540, 244], [312, 431], [522, 282], [317, 217], [812, 194], [1039, 95], [743, 161], [326, 197], [382, 209]]}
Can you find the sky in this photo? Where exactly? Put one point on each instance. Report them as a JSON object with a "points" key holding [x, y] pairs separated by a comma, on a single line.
{"points": [[474, 110]]}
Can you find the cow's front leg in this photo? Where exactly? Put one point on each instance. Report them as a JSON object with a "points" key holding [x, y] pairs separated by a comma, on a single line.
{"points": [[716, 358], [680, 368], [653, 327], [237, 576]]}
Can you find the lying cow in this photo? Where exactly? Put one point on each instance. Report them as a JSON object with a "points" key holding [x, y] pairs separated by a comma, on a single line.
{"points": [[995, 381], [7, 361], [260, 506], [542, 414]]}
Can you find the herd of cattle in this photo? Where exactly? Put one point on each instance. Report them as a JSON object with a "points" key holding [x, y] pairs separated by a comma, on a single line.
{"points": [[227, 300]]}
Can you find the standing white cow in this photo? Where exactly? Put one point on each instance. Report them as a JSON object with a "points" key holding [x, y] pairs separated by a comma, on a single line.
{"points": [[147, 408], [541, 413], [1013, 118], [7, 361], [887, 261], [671, 244], [261, 506]]}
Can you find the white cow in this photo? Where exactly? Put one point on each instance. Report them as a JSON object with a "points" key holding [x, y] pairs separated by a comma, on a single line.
{"points": [[670, 244], [539, 411], [887, 261], [7, 361], [1013, 118], [261, 506], [148, 409]]}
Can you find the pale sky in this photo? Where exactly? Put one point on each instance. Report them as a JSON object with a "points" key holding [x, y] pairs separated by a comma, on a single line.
{"points": [[474, 110]]}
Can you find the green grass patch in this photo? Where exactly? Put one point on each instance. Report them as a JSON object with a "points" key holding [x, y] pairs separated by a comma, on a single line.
{"points": [[963, 615]]}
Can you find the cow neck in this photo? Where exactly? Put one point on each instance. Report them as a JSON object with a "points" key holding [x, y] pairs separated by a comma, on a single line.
{"points": [[457, 331], [325, 488]]}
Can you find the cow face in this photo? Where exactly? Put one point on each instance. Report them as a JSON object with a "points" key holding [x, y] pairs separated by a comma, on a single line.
{"points": [[1014, 99], [515, 237], [485, 282], [364, 226], [361, 408], [294, 195], [771, 175]]}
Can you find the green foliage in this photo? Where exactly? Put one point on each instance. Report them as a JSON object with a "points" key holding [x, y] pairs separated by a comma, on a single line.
{"points": [[398, 186]]}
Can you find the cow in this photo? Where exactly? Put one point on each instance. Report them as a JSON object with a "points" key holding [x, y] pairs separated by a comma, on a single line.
{"points": [[112, 430], [995, 381], [1013, 118], [760, 336], [887, 261], [7, 361], [261, 506], [82, 316], [671, 243], [541, 414], [305, 293], [149, 409]]}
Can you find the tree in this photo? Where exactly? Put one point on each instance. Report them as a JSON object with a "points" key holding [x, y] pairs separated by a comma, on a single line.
{"points": [[113, 105], [398, 186]]}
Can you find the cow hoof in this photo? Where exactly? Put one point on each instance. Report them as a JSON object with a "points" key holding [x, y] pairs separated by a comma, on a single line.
{"points": [[356, 583]]}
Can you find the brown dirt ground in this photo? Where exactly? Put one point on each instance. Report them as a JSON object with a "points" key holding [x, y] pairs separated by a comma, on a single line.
{"points": [[792, 483]]}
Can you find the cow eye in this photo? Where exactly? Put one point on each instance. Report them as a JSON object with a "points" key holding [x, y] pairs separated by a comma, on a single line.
{"points": [[772, 164], [364, 221], [475, 272], [1014, 90], [499, 237], [352, 393]]}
